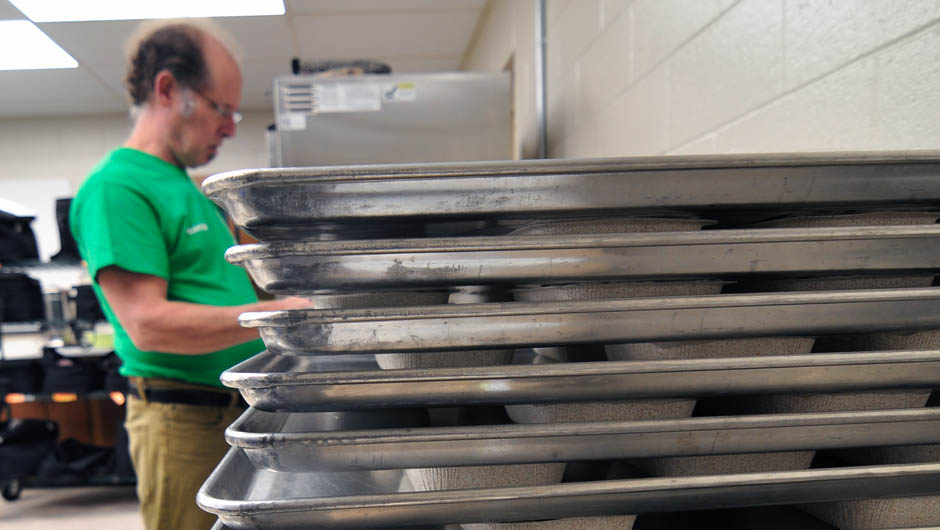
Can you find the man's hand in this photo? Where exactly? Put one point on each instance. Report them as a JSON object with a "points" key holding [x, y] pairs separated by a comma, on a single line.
{"points": [[293, 302]]}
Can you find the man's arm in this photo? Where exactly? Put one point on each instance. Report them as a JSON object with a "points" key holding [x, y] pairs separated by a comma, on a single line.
{"points": [[157, 324]]}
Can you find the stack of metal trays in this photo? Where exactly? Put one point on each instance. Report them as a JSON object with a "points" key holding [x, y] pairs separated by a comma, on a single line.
{"points": [[655, 307]]}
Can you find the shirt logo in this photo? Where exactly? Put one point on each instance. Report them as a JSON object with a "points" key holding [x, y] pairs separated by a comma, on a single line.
{"points": [[195, 229]]}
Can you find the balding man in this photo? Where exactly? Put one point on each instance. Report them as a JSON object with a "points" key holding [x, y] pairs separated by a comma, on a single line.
{"points": [[154, 248]]}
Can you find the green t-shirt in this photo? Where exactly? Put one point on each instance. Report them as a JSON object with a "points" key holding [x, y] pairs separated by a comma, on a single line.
{"points": [[145, 215]]}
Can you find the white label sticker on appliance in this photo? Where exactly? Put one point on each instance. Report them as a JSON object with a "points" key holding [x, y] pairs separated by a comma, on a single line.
{"points": [[292, 121], [348, 97], [401, 91]]}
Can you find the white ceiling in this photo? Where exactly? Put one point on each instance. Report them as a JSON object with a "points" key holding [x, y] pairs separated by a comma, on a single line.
{"points": [[409, 35]]}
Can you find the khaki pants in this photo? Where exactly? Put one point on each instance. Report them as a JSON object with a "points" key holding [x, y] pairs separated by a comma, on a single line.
{"points": [[174, 448]]}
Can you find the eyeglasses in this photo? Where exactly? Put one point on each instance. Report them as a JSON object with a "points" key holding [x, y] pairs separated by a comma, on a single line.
{"points": [[224, 112]]}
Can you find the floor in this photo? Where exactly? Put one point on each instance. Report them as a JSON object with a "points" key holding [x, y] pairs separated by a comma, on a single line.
{"points": [[89, 508]]}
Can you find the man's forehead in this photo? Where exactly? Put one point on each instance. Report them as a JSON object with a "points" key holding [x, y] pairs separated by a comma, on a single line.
{"points": [[224, 70]]}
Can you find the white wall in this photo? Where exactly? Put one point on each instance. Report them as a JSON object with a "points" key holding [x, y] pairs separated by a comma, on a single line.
{"points": [[507, 37], [43, 159], [68, 147], [646, 77]]}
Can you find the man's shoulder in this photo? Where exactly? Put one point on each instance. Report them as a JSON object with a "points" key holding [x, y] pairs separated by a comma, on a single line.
{"points": [[126, 168], [129, 162]]}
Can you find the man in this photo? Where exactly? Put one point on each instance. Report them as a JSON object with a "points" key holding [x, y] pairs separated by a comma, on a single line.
{"points": [[154, 247]]}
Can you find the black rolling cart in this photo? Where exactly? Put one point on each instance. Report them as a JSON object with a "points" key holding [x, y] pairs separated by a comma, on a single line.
{"points": [[30, 454]]}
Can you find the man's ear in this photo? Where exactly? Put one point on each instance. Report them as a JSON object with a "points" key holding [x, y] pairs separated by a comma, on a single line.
{"points": [[164, 88]]}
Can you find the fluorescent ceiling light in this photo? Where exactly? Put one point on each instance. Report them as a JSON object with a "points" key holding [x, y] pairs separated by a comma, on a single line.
{"points": [[23, 46], [84, 10]]}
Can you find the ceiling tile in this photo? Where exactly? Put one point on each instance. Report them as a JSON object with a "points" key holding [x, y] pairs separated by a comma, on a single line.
{"points": [[8, 12], [314, 6], [97, 43], [410, 35], [259, 79], [260, 37], [51, 84], [110, 76], [103, 42], [371, 36]]}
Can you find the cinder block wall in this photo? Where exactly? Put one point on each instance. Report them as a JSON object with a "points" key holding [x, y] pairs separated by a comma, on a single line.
{"points": [[647, 77]]}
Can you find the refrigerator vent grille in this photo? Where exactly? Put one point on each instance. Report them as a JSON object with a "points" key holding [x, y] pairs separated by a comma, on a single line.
{"points": [[297, 97]]}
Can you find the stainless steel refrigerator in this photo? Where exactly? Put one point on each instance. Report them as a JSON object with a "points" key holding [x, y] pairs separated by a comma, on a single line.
{"points": [[402, 118]]}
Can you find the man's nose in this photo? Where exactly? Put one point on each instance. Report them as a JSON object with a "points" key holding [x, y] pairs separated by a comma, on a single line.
{"points": [[228, 127]]}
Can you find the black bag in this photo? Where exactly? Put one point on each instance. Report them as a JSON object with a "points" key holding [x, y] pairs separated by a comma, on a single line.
{"points": [[87, 307], [68, 374], [17, 241], [77, 460], [20, 376], [24, 443], [22, 298]]}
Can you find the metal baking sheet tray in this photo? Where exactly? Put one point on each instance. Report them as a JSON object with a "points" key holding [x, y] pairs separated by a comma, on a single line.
{"points": [[302, 267], [471, 326], [307, 441], [284, 203], [219, 525], [772, 518], [302, 383], [245, 497]]}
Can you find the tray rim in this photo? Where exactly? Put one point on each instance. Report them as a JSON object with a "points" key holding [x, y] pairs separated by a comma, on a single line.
{"points": [[228, 507], [230, 180], [234, 379], [304, 317], [262, 440], [274, 249]]}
